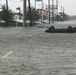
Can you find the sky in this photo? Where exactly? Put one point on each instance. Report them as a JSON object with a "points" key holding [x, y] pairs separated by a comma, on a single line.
{"points": [[68, 5]]}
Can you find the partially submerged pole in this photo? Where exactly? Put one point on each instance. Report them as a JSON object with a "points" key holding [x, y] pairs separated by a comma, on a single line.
{"points": [[24, 12], [52, 11], [7, 11], [35, 4], [30, 13], [57, 9], [42, 10], [49, 9]]}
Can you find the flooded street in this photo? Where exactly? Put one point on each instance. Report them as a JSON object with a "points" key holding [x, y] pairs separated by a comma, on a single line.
{"points": [[31, 51]]}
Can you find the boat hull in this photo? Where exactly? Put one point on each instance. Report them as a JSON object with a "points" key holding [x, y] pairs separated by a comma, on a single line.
{"points": [[61, 31]]}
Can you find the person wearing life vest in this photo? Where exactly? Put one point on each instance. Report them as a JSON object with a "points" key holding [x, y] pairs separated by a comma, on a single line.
{"points": [[70, 29]]}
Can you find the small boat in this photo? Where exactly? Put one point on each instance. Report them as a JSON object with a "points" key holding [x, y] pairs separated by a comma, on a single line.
{"points": [[60, 30]]}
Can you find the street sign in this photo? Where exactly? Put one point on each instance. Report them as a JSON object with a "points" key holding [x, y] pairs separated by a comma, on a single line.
{"points": [[51, 7]]}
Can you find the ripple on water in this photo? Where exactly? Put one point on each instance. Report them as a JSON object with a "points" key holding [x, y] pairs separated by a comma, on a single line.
{"points": [[20, 70]]}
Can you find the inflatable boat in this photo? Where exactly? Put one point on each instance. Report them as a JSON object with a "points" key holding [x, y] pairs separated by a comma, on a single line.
{"points": [[60, 30]]}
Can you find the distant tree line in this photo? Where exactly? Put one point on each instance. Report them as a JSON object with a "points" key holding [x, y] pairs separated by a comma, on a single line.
{"points": [[8, 15], [62, 17], [72, 17]]}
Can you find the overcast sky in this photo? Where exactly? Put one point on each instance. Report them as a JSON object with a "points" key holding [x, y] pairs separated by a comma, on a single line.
{"points": [[69, 5]]}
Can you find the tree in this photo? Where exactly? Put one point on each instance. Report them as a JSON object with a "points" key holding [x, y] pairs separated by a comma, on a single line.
{"points": [[65, 16], [58, 18], [6, 14], [34, 14]]}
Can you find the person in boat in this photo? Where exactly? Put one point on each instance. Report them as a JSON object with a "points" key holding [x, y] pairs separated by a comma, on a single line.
{"points": [[70, 29], [52, 28]]}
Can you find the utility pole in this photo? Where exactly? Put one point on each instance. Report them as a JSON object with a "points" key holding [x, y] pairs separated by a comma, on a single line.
{"points": [[63, 13], [7, 10], [57, 9], [30, 13], [24, 12], [49, 9], [57, 6], [61, 9], [52, 11], [35, 4], [42, 10], [7, 4]]}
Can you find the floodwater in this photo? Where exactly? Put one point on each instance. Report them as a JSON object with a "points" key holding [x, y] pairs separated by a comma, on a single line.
{"points": [[31, 51], [64, 24]]}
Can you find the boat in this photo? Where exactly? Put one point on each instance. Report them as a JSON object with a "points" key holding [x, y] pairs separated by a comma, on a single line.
{"points": [[60, 30]]}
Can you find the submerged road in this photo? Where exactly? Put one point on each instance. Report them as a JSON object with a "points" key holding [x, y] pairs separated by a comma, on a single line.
{"points": [[31, 51], [64, 24]]}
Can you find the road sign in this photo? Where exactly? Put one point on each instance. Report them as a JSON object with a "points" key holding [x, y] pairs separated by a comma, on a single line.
{"points": [[51, 7]]}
